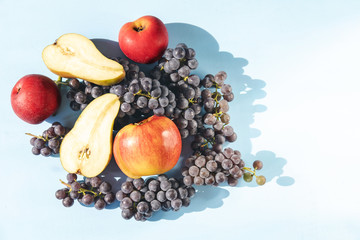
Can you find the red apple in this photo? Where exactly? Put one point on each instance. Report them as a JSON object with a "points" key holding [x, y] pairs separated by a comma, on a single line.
{"points": [[150, 147], [144, 40], [34, 98]]}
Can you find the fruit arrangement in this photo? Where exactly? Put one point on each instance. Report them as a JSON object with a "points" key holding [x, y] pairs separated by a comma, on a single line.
{"points": [[138, 118]]}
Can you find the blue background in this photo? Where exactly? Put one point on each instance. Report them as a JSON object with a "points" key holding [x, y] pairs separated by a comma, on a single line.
{"points": [[294, 68]]}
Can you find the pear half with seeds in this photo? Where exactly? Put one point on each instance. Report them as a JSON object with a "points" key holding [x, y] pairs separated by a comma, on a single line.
{"points": [[75, 56], [87, 148]]}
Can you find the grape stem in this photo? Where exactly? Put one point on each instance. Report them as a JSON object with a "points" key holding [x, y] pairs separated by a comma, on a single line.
{"points": [[81, 190], [148, 95], [250, 170], [37, 136]]}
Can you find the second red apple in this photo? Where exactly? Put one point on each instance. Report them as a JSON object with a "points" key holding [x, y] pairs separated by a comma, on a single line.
{"points": [[144, 40]]}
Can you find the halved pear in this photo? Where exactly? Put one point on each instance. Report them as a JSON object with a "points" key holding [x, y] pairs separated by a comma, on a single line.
{"points": [[87, 148], [75, 56]]}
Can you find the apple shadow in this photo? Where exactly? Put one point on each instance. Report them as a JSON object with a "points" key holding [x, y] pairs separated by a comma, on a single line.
{"points": [[246, 90]]}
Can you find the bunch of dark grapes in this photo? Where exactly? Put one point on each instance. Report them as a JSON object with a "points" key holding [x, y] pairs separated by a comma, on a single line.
{"points": [[174, 71], [214, 168], [140, 199], [216, 130], [142, 96], [91, 190], [81, 93], [49, 142]]}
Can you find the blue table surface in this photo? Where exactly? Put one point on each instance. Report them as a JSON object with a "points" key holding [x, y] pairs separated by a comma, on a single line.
{"points": [[294, 69]]}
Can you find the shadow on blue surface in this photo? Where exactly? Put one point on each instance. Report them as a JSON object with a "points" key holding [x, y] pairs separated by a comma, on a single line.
{"points": [[242, 110]]}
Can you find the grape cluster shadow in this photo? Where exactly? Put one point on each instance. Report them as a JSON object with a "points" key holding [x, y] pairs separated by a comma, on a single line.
{"points": [[246, 89]]}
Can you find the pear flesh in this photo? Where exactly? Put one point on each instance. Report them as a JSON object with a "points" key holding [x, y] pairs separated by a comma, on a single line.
{"points": [[75, 56], [87, 148]]}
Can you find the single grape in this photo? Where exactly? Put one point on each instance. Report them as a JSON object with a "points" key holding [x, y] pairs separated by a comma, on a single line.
{"points": [[68, 202], [53, 143], [204, 173], [188, 180], [226, 89], [166, 206], [179, 52], [75, 106], [220, 177], [184, 71], [127, 213], [155, 205], [232, 137], [126, 202], [174, 183], [191, 192], [211, 166], [35, 151], [59, 130], [229, 97], [190, 53], [75, 186], [100, 204], [154, 185], [142, 207], [120, 195], [74, 195], [105, 187], [32, 141], [232, 181], [135, 196], [45, 151], [193, 63], [153, 103], [129, 97], [80, 97], [186, 202], [39, 143], [96, 92], [194, 171], [165, 185], [87, 199], [260, 180], [161, 196], [194, 80], [228, 130], [95, 181], [210, 180], [198, 181], [200, 161], [176, 204], [149, 196], [109, 197], [209, 119], [61, 194], [258, 165], [174, 64], [127, 187], [74, 83], [183, 192], [248, 177], [171, 194], [138, 183], [125, 107], [168, 54]]}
